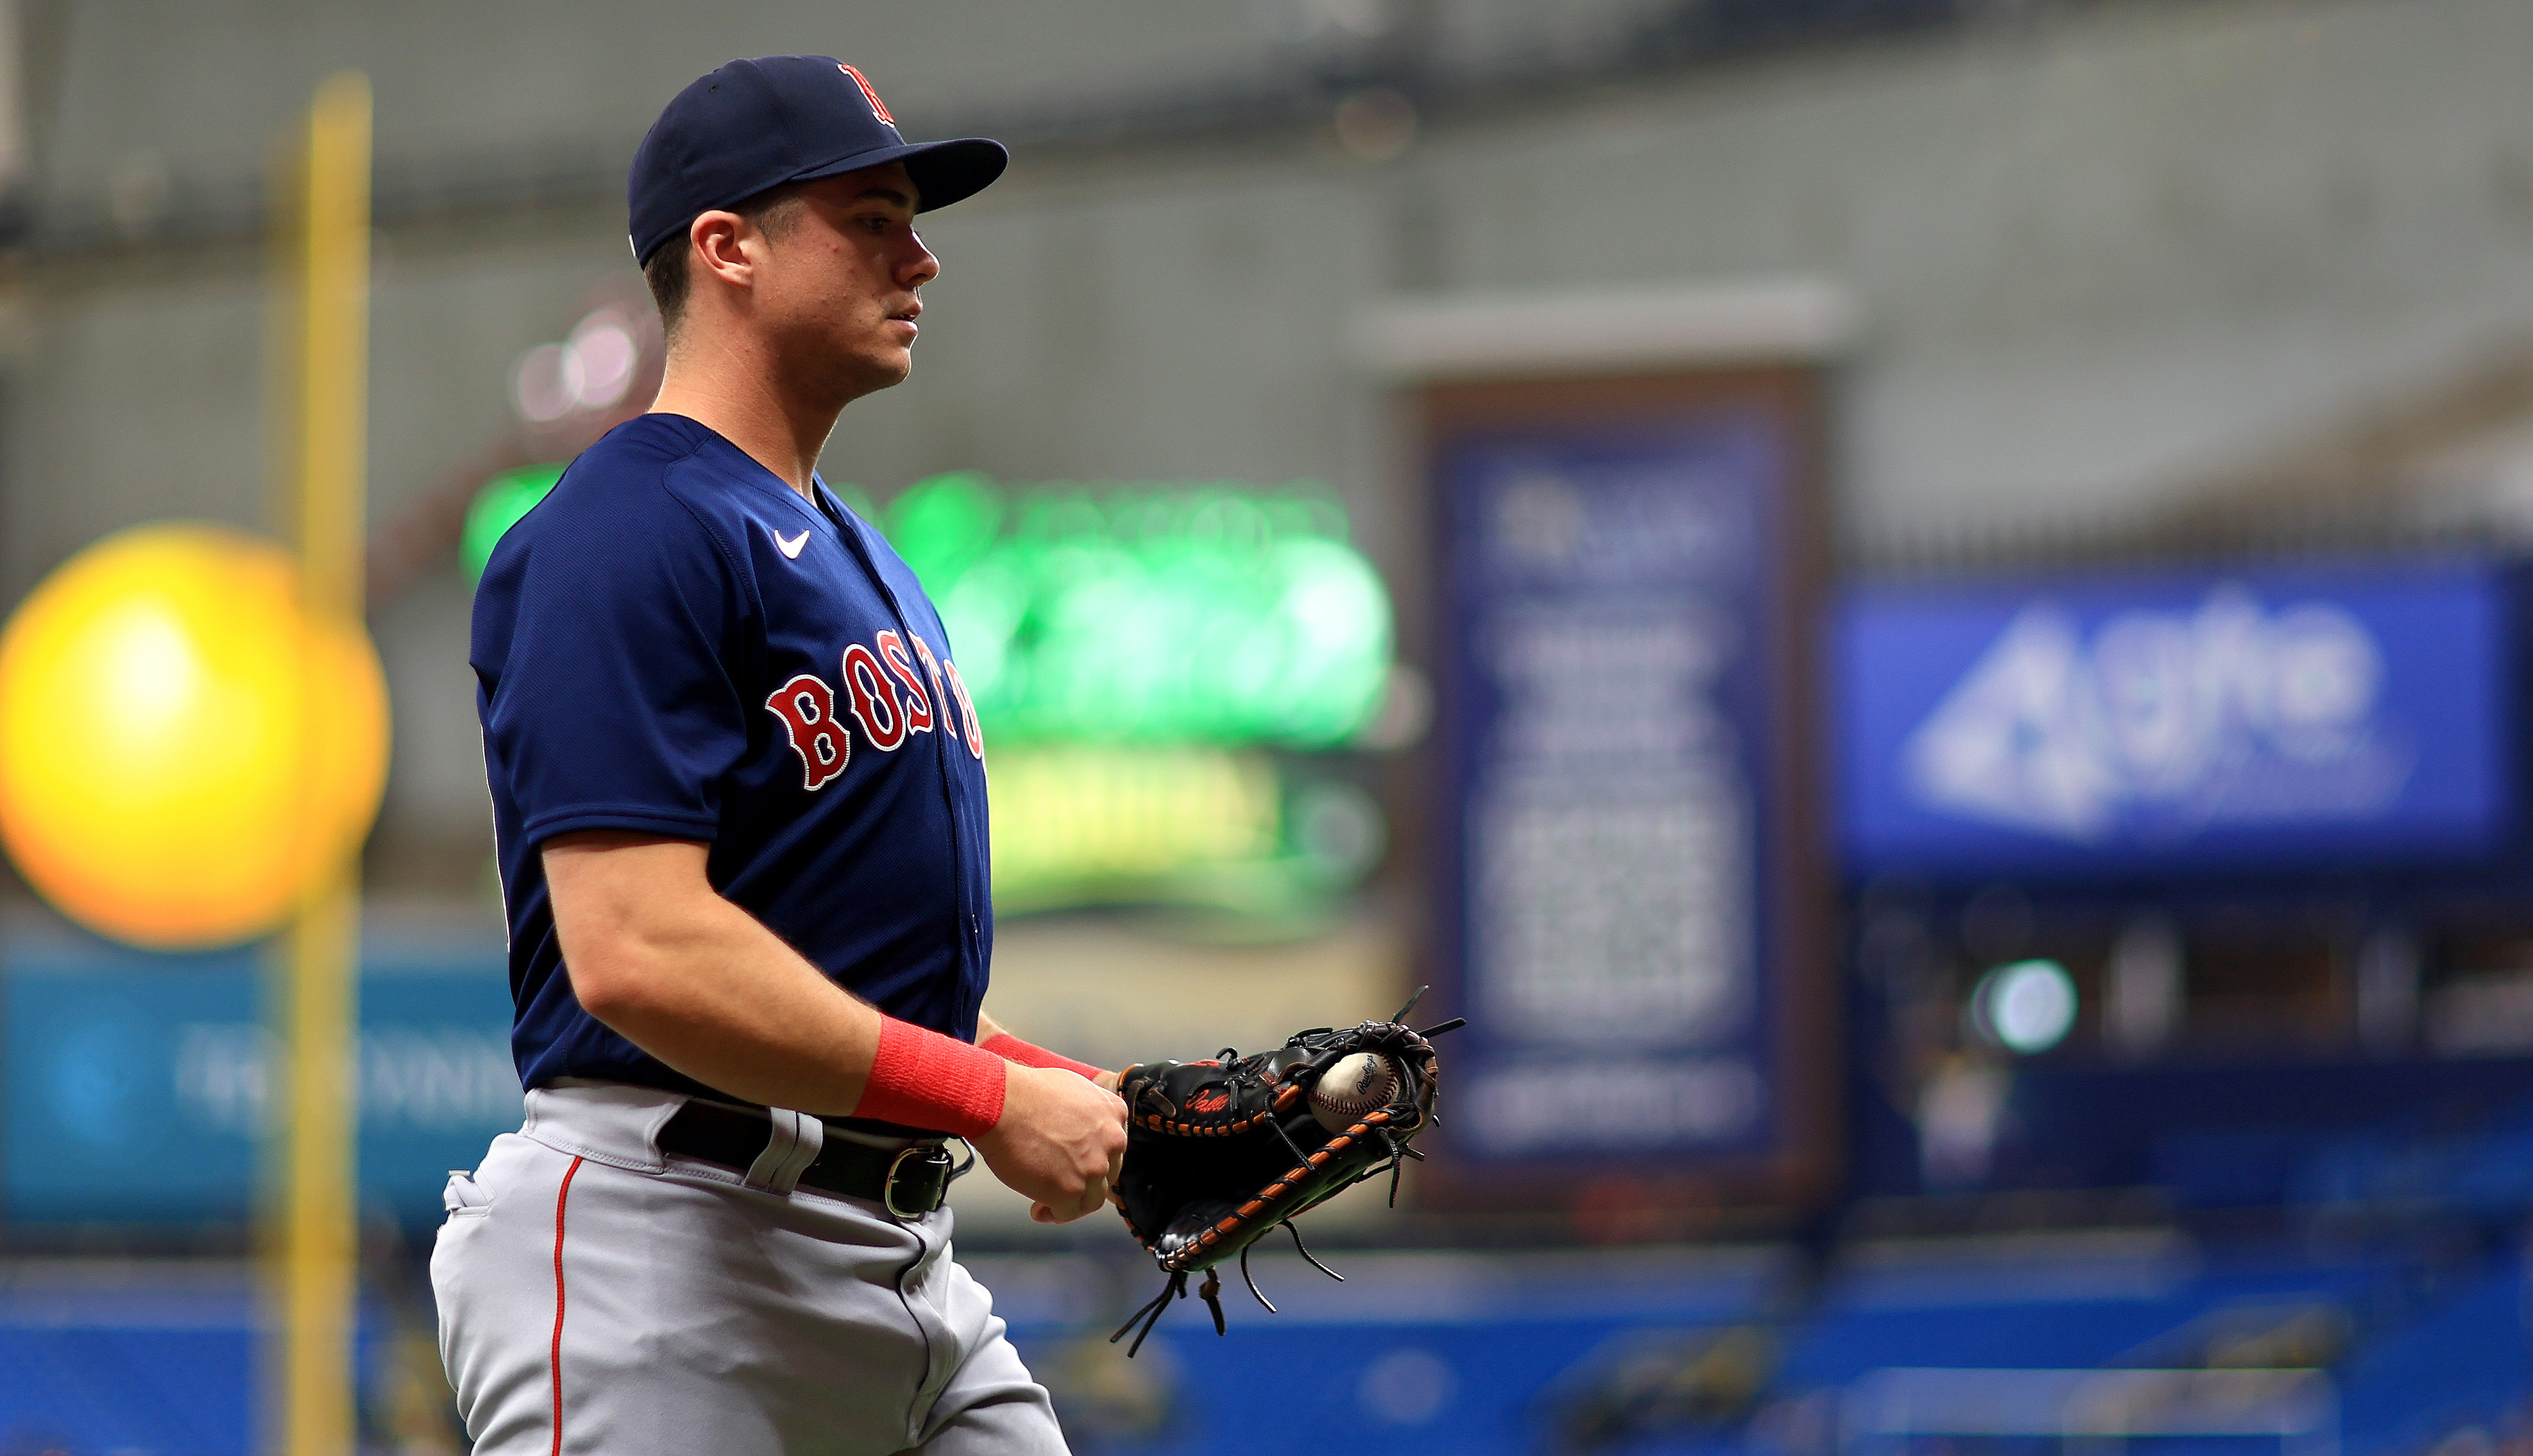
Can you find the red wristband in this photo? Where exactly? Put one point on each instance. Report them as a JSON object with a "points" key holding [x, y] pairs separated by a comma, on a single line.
{"points": [[1011, 1048], [922, 1079]]}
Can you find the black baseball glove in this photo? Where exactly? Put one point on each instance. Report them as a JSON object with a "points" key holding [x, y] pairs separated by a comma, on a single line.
{"points": [[1220, 1151]]}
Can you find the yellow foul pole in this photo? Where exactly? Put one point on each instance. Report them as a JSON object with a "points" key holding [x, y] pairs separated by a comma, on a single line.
{"points": [[316, 1250]]}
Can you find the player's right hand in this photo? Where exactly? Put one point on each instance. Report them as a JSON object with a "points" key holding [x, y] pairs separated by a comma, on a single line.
{"points": [[1061, 1141]]}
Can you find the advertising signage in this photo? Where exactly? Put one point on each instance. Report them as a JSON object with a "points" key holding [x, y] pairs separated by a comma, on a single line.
{"points": [[1621, 642], [2136, 724], [135, 1088]]}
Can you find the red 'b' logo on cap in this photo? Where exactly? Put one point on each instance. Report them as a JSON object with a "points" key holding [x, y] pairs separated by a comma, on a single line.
{"points": [[879, 108]]}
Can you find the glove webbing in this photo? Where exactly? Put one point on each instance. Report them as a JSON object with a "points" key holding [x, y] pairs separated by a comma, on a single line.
{"points": [[1210, 1290]]}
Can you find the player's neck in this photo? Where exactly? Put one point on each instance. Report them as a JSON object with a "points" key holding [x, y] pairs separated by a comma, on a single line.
{"points": [[747, 410]]}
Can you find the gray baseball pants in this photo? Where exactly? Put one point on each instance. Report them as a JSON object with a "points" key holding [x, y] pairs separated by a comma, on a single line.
{"points": [[599, 1297]]}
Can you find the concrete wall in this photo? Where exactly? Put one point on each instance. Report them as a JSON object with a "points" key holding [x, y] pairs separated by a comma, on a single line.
{"points": [[2098, 256], [202, 86]]}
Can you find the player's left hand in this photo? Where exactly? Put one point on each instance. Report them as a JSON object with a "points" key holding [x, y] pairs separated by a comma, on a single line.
{"points": [[1060, 1142]]}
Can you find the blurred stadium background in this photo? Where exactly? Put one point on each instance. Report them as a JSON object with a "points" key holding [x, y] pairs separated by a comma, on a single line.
{"points": [[1918, 605]]}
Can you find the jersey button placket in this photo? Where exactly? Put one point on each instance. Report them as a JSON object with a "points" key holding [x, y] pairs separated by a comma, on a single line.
{"points": [[961, 846]]}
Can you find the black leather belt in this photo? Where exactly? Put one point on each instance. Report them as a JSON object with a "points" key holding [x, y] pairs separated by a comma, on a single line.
{"points": [[909, 1182]]}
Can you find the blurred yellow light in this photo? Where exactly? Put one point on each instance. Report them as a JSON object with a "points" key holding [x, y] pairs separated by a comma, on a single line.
{"points": [[163, 779], [1079, 814]]}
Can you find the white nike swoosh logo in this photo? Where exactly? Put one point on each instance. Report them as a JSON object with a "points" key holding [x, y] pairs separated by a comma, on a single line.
{"points": [[790, 549]]}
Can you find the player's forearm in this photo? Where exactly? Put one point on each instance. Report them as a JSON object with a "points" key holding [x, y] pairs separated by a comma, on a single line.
{"points": [[724, 1001], [995, 1037], [697, 982]]}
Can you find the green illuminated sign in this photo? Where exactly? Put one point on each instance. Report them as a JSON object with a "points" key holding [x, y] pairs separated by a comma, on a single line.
{"points": [[1179, 614], [497, 509], [1155, 614]]}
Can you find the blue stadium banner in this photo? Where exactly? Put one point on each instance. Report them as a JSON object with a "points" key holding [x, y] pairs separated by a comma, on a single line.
{"points": [[2138, 724], [133, 1087], [1620, 638]]}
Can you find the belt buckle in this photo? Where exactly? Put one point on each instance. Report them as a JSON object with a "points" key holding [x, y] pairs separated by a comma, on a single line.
{"points": [[927, 1155]]}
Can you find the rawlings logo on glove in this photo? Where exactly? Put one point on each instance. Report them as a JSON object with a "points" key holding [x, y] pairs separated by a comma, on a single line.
{"points": [[1219, 1152]]}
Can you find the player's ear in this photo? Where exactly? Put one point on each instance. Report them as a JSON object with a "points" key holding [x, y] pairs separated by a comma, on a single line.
{"points": [[714, 238]]}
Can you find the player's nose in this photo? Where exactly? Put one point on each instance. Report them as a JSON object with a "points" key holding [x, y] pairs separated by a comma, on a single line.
{"points": [[918, 267]]}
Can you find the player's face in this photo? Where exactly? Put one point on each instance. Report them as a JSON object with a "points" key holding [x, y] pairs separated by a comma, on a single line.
{"points": [[841, 288]]}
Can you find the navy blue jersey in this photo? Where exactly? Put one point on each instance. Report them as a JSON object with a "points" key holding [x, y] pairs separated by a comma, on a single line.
{"points": [[674, 642]]}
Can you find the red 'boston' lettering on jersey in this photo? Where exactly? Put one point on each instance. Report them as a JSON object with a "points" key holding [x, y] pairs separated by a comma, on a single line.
{"points": [[807, 708], [932, 669], [883, 695], [875, 707], [918, 707], [966, 710]]}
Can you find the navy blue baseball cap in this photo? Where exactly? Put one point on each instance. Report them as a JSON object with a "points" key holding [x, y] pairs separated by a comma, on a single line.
{"points": [[754, 125]]}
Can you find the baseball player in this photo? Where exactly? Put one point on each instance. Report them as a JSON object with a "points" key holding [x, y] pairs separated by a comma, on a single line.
{"points": [[739, 795]]}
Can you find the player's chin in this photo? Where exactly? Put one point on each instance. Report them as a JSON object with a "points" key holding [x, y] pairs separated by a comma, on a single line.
{"points": [[855, 372], [887, 366]]}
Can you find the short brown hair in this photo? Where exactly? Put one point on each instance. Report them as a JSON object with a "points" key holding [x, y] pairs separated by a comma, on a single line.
{"points": [[772, 213]]}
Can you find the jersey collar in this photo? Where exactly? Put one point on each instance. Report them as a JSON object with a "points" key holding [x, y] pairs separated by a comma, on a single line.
{"points": [[749, 470]]}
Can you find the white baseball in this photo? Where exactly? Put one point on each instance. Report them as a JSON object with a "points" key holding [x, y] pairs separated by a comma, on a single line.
{"points": [[1355, 1085]]}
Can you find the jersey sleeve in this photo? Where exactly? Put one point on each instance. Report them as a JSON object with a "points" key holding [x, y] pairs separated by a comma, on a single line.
{"points": [[614, 703]]}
